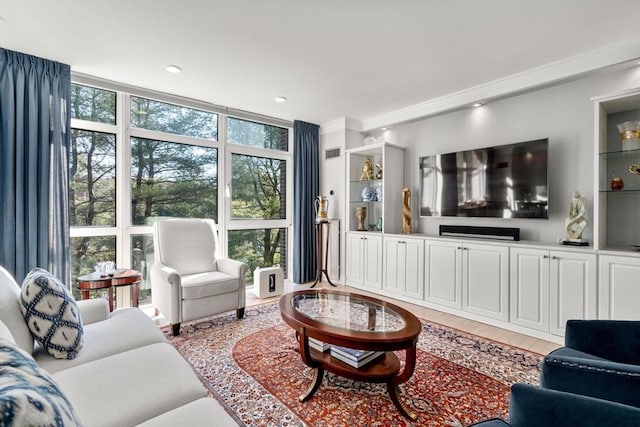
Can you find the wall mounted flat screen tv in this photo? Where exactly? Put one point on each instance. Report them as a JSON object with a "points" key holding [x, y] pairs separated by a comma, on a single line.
{"points": [[506, 181]]}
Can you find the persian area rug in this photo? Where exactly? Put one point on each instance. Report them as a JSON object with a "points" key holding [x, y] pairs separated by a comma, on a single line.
{"points": [[252, 366]]}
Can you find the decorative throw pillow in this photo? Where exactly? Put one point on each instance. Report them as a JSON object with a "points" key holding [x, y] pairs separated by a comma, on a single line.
{"points": [[51, 314], [28, 395]]}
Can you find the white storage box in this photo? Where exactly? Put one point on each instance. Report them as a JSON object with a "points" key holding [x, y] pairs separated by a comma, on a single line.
{"points": [[268, 282]]}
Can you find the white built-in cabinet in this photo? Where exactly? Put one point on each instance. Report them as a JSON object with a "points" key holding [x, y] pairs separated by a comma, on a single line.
{"points": [[618, 287], [520, 286], [550, 287], [442, 273], [403, 266], [485, 280], [364, 260], [467, 276]]}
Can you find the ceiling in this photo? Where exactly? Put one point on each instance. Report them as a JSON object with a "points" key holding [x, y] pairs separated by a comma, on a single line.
{"points": [[330, 58]]}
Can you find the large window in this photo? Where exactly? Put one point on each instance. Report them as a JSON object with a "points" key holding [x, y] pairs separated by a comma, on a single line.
{"points": [[135, 159], [258, 185], [169, 118], [259, 171], [93, 178], [170, 179], [258, 135]]}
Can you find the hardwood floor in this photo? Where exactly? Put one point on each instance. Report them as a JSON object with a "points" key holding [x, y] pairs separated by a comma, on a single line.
{"points": [[487, 331]]}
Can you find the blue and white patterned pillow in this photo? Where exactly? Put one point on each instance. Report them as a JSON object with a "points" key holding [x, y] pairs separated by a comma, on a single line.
{"points": [[28, 395], [51, 314]]}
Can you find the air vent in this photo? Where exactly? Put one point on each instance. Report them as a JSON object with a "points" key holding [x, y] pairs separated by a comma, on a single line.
{"points": [[331, 153]]}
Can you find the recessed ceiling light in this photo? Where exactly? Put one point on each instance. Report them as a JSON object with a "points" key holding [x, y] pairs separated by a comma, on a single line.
{"points": [[383, 128], [280, 99], [173, 69], [477, 104]]}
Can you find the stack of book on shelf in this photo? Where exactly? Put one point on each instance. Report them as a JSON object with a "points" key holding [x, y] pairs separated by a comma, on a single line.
{"points": [[353, 357], [318, 345]]}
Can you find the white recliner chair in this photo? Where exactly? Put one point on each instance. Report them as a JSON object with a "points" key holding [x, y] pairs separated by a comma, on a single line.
{"points": [[189, 280]]}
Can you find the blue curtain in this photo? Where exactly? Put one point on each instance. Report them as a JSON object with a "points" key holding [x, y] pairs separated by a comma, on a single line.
{"points": [[306, 187], [34, 172]]}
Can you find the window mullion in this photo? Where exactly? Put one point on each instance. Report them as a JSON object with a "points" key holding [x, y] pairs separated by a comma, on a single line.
{"points": [[123, 189], [224, 182]]}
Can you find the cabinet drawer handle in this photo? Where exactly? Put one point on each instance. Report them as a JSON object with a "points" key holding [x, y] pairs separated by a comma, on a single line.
{"points": [[554, 257], [545, 256], [460, 247]]}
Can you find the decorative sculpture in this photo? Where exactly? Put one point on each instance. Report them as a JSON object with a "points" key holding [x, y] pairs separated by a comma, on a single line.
{"points": [[379, 173], [406, 211], [361, 214], [576, 223], [367, 170]]}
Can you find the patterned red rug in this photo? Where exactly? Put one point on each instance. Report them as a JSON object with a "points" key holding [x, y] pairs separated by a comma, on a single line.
{"points": [[253, 367]]}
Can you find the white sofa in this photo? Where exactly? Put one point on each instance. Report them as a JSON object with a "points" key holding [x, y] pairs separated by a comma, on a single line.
{"points": [[126, 373]]}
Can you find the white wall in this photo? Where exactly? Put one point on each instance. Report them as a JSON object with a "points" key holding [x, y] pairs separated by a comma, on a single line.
{"points": [[333, 179], [562, 113]]}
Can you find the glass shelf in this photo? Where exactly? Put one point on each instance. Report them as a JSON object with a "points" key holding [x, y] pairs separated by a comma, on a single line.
{"points": [[630, 190], [371, 201], [628, 154], [370, 181]]}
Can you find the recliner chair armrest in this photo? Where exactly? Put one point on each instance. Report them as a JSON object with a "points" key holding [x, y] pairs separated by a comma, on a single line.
{"points": [[617, 340], [233, 267], [93, 310], [533, 407], [167, 274], [236, 269], [603, 379], [166, 292]]}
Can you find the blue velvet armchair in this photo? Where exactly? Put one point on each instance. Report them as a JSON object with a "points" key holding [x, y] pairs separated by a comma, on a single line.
{"points": [[601, 358], [531, 406]]}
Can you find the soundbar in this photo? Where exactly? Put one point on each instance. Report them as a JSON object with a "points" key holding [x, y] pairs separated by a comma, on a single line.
{"points": [[500, 233]]}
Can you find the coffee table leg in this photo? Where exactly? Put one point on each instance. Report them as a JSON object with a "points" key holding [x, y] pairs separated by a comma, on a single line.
{"points": [[318, 374], [394, 391]]}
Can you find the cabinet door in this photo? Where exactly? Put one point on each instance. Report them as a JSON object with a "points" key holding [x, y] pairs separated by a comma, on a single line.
{"points": [[529, 287], [572, 288], [355, 259], [373, 261], [442, 273], [393, 264], [413, 268], [618, 288], [485, 280]]}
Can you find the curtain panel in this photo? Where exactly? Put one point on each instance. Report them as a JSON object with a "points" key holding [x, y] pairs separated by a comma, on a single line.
{"points": [[34, 173], [306, 187]]}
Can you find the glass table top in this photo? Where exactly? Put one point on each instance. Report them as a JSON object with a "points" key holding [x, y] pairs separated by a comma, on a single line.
{"points": [[347, 312]]}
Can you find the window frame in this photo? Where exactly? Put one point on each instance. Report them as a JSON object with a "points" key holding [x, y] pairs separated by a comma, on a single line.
{"points": [[124, 228], [251, 224]]}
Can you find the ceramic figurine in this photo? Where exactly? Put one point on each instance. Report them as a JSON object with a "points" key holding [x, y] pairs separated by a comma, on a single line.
{"points": [[576, 222]]}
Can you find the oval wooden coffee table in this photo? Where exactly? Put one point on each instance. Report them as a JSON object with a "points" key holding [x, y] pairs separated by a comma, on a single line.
{"points": [[355, 321]]}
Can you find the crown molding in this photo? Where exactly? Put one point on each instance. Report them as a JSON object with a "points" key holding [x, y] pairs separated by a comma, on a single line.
{"points": [[341, 124], [544, 75]]}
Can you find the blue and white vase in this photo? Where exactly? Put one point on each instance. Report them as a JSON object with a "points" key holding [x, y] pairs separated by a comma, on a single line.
{"points": [[379, 192], [368, 194]]}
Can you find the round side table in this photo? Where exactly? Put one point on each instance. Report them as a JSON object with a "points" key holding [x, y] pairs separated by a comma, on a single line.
{"points": [[95, 281]]}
